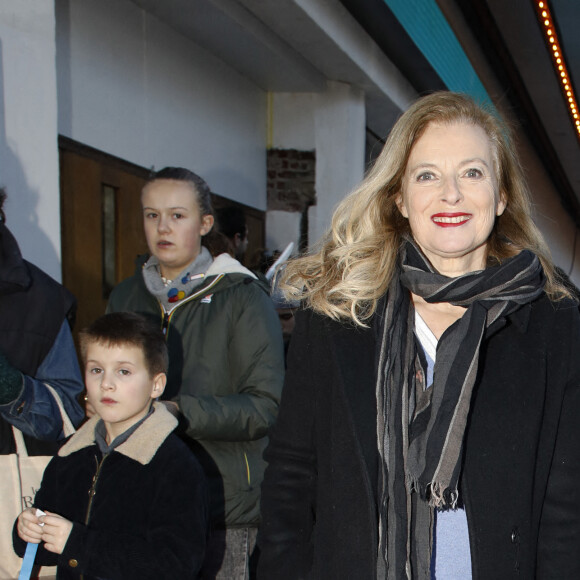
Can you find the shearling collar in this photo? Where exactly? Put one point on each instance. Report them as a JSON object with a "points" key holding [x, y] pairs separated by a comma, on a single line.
{"points": [[141, 445]]}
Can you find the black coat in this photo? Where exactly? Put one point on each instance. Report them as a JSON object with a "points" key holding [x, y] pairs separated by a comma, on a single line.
{"points": [[521, 458], [33, 308], [149, 514]]}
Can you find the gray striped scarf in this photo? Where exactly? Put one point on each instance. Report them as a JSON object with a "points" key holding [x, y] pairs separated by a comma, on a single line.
{"points": [[420, 432]]}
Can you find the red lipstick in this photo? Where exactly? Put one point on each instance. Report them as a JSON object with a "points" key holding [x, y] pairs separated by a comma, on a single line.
{"points": [[450, 219]]}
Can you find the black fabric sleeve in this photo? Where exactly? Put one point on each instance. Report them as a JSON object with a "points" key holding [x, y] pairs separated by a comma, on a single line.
{"points": [[289, 488]]}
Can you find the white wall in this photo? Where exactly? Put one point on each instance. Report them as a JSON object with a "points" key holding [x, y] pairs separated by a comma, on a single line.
{"points": [[293, 121], [282, 227], [133, 87], [333, 124], [28, 128]]}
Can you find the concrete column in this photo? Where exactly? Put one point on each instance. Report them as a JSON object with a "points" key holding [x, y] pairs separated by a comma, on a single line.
{"points": [[339, 122], [28, 129]]}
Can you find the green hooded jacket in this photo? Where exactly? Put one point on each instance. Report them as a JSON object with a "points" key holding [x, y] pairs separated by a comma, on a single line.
{"points": [[226, 372]]}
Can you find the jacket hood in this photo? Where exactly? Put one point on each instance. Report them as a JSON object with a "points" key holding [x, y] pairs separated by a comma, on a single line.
{"points": [[225, 264], [222, 264], [223, 273], [141, 445]]}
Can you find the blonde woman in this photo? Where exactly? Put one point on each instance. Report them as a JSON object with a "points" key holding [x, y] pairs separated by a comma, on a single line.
{"points": [[429, 418]]}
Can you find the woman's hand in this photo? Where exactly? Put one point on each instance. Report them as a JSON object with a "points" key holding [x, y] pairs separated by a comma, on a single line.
{"points": [[55, 532], [28, 526]]}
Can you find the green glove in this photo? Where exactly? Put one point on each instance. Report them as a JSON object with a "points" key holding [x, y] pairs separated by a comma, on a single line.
{"points": [[10, 381]]}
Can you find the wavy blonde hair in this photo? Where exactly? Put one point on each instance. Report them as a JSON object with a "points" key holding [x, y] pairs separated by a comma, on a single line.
{"points": [[356, 259]]}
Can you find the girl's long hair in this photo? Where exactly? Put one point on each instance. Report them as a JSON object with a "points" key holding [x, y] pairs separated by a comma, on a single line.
{"points": [[356, 259]]}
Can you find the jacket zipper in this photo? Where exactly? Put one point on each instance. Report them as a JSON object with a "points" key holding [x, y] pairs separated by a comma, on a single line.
{"points": [[92, 492], [166, 315], [247, 469]]}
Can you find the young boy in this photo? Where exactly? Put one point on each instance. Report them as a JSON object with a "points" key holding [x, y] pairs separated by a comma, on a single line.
{"points": [[124, 499]]}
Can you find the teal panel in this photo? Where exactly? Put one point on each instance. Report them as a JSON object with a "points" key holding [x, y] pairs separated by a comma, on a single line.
{"points": [[427, 27]]}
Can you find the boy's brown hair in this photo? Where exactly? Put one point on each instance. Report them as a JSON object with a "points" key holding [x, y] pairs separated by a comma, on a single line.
{"points": [[128, 329]]}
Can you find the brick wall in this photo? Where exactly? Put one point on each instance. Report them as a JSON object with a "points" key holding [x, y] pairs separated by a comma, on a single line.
{"points": [[291, 180]]}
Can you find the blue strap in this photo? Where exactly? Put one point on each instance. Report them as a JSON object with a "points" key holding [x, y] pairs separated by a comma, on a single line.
{"points": [[28, 561]]}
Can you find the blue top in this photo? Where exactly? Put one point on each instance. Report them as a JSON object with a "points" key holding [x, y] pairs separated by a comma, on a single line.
{"points": [[451, 556], [35, 411]]}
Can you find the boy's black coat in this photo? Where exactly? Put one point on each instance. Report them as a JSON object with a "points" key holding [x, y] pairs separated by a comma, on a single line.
{"points": [[149, 513]]}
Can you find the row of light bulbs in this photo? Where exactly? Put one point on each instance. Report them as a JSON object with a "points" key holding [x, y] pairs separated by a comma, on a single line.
{"points": [[547, 23]]}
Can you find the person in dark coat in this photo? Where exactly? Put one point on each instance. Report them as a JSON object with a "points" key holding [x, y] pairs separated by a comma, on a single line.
{"points": [[429, 420], [124, 498], [37, 354], [36, 350]]}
